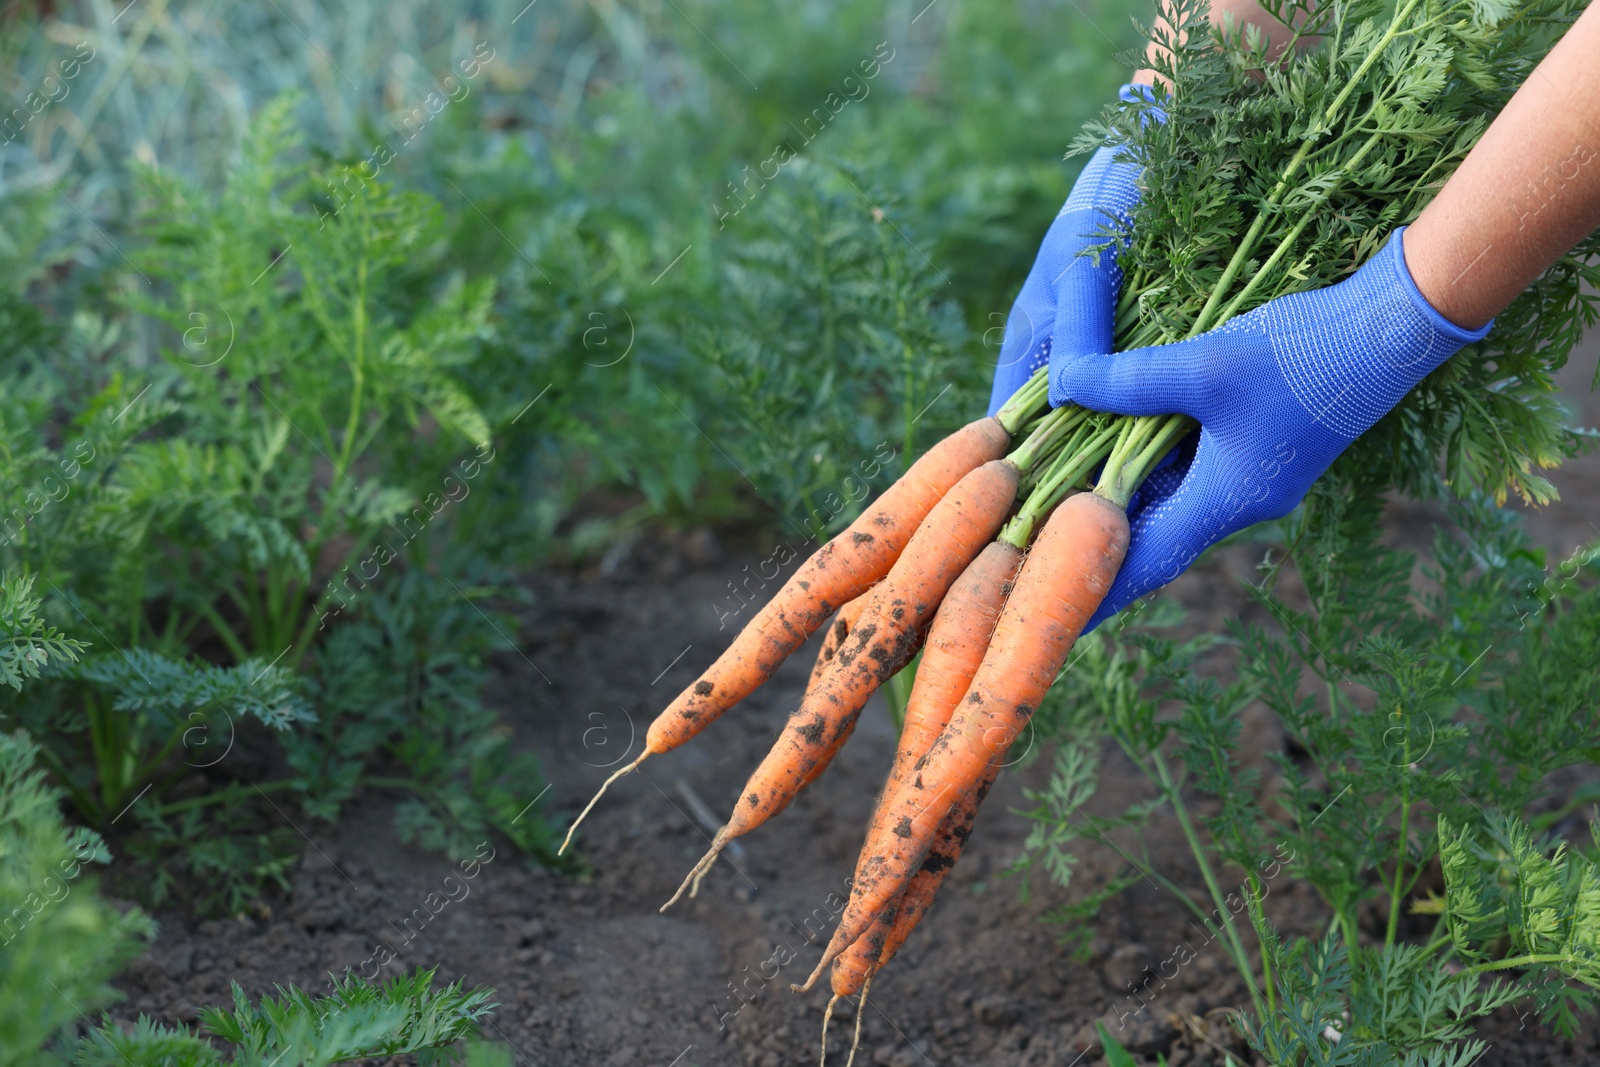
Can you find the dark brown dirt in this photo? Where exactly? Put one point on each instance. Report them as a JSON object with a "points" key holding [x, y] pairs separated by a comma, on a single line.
{"points": [[588, 973]]}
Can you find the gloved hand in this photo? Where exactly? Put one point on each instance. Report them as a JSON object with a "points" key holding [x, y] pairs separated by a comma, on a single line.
{"points": [[1279, 392], [1066, 306]]}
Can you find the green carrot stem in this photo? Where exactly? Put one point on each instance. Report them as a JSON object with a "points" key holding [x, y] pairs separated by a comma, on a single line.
{"points": [[1131, 428], [1029, 428], [1549, 958], [1052, 430], [1148, 439], [1224, 914], [1046, 471], [1271, 262], [1078, 457], [1094, 443], [223, 796], [1025, 403]]}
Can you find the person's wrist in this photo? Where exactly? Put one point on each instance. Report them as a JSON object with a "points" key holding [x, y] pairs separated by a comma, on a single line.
{"points": [[1427, 264], [1407, 334]]}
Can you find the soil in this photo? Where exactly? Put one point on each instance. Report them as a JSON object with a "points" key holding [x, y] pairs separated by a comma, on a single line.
{"points": [[587, 973]]}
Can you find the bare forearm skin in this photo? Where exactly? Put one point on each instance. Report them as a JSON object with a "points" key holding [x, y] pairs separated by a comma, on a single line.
{"points": [[1526, 193]]}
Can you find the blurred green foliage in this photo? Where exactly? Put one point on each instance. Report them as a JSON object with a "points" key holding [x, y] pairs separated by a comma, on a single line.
{"points": [[319, 319]]}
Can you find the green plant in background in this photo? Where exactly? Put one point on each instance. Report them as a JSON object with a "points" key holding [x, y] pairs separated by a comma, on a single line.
{"points": [[1421, 727], [311, 355], [60, 943], [398, 692], [121, 721], [926, 194], [298, 451], [835, 354], [27, 643], [139, 707], [357, 1020]]}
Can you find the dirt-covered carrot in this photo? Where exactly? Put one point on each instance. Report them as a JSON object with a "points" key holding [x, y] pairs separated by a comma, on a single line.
{"points": [[870, 952], [828, 753], [839, 572], [956, 643], [1067, 573], [834, 638], [953, 651], [886, 637], [838, 630], [948, 842], [1061, 584]]}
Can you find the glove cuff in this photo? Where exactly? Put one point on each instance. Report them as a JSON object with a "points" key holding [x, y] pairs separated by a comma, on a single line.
{"points": [[1394, 252]]}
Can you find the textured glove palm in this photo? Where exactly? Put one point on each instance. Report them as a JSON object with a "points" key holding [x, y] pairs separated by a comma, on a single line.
{"points": [[1278, 392], [1069, 300]]}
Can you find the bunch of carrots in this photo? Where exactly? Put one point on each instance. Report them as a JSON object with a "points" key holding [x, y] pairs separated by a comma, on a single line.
{"points": [[988, 556]]}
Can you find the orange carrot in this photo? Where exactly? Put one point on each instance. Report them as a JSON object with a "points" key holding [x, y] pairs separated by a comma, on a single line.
{"points": [[1065, 577], [954, 649], [828, 753], [843, 625], [837, 573], [948, 842], [886, 636], [868, 954], [834, 639], [953, 652]]}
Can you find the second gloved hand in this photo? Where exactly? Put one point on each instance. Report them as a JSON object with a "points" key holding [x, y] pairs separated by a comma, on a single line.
{"points": [[1069, 299], [1279, 392]]}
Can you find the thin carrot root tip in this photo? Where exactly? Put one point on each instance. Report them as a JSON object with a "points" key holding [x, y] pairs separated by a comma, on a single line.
{"points": [[827, 1017], [596, 799], [861, 1009], [827, 958], [699, 870], [694, 888]]}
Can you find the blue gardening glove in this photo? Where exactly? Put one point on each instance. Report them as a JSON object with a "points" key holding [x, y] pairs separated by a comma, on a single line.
{"points": [[1279, 392], [1066, 306]]}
